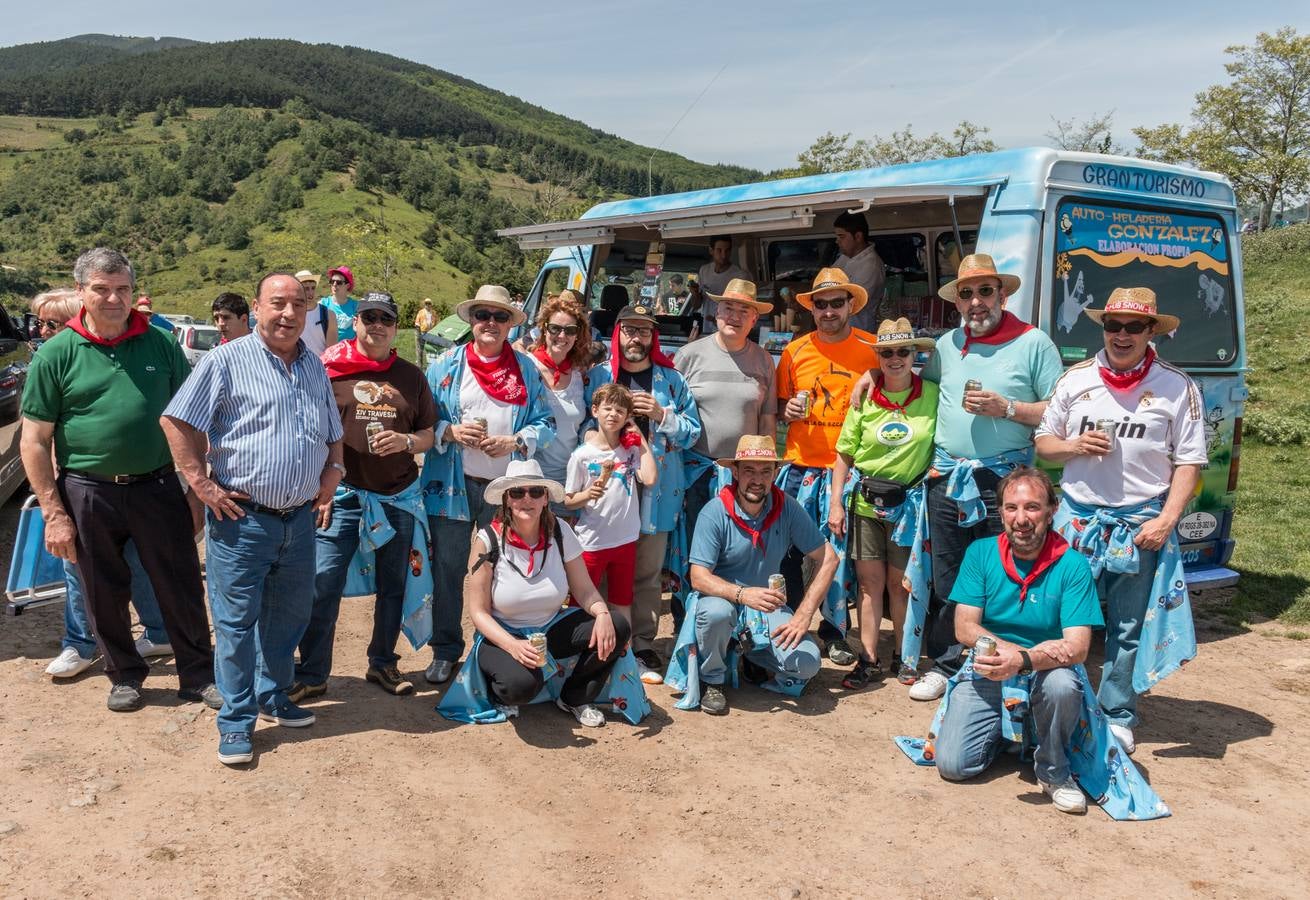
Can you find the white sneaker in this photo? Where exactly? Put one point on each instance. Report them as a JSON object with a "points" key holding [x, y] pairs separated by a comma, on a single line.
{"points": [[1124, 735], [586, 714], [69, 663], [931, 686], [151, 650], [1067, 797], [507, 710]]}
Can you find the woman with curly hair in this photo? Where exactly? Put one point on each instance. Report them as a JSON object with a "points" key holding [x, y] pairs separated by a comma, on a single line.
{"points": [[562, 352]]}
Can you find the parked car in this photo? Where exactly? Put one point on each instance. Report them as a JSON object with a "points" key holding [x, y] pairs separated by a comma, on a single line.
{"points": [[196, 340], [15, 355]]}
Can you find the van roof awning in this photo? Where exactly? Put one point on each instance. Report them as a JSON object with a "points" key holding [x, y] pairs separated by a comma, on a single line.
{"points": [[771, 214]]}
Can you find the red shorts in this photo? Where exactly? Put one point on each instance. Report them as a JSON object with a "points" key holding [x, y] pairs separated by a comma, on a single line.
{"points": [[617, 566]]}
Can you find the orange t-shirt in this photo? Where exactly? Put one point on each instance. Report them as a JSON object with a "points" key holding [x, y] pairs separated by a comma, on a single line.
{"points": [[828, 372]]}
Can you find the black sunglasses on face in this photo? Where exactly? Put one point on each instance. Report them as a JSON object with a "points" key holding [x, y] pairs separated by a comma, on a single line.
{"points": [[967, 293], [337, 281], [557, 330], [486, 315], [372, 318], [50, 323], [902, 352], [1112, 327], [536, 493], [835, 303]]}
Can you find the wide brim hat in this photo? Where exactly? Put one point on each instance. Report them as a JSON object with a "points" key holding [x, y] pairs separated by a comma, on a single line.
{"points": [[977, 265], [305, 275], [753, 448], [1135, 301], [739, 290], [491, 295], [833, 279], [522, 473], [900, 333]]}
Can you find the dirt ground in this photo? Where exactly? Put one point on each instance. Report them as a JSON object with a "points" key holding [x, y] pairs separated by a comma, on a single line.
{"points": [[782, 798]]}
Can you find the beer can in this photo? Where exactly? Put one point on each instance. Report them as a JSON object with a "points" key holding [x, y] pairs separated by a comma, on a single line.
{"points": [[538, 641], [1108, 426], [984, 646], [371, 431], [804, 397], [777, 583], [973, 384], [476, 420]]}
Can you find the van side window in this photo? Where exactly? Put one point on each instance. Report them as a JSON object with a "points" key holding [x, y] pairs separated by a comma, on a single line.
{"points": [[1182, 256]]}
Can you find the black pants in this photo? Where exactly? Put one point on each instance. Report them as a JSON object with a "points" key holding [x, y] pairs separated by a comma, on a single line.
{"points": [[513, 683], [153, 514], [949, 541]]}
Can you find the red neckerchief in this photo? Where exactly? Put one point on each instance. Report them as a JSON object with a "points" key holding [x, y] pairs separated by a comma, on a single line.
{"points": [[729, 497], [1123, 382], [557, 370], [137, 324], [657, 356], [511, 537], [501, 378], [344, 358], [878, 397], [1050, 553], [1011, 327]]}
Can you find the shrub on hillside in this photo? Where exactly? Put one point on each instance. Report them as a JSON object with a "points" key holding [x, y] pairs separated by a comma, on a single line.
{"points": [[1276, 243], [1275, 429]]}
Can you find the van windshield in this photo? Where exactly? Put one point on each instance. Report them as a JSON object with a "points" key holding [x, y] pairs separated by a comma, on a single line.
{"points": [[1183, 257]]}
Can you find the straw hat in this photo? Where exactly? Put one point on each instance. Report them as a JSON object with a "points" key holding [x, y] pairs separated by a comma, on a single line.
{"points": [[977, 265], [739, 290], [834, 279], [491, 295], [900, 333], [305, 275], [522, 473], [1134, 301], [753, 448]]}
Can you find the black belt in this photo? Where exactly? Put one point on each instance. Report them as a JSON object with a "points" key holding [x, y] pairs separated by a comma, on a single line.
{"points": [[268, 510], [120, 479]]}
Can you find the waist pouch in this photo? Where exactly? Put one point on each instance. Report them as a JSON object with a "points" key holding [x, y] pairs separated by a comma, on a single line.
{"points": [[882, 493]]}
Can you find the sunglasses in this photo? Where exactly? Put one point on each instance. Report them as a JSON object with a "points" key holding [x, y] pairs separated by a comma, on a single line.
{"points": [[373, 318], [836, 303], [50, 323], [966, 293], [641, 331], [557, 330], [536, 493], [902, 352], [1112, 327], [337, 281], [486, 315]]}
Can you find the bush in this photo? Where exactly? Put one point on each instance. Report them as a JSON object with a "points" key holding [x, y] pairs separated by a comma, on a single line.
{"points": [[1275, 429], [1275, 244]]}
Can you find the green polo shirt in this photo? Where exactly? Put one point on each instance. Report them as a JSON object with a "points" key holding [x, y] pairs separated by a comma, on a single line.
{"points": [[885, 444], [105, 402]]}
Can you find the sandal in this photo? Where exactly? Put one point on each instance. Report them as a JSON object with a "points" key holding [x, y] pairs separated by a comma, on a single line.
{"points": [[864, 672]]}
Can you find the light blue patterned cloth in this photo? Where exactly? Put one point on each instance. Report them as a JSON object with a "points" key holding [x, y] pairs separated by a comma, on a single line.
{"points": [[961, 485], [679, 546], [910, 529], [813, 494]]}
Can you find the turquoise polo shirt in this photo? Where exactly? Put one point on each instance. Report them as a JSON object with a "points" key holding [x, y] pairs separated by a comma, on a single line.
{"points": [[1025, 370], [721, 546], [1063, 597]]}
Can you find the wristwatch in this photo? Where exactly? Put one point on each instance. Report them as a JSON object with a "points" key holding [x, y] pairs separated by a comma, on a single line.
{"points": [[520, 446], [339, 467], [409, 442], [1010, 409], [1027, 667]]}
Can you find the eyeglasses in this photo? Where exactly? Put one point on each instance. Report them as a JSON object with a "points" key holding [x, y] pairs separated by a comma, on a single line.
{"points": [[50, 323], [486, 315], [337, 281], [835, 303], [985, 290], [373, 318], [536, 493], [641, 331], [902, 352], [557, 330], [1113, 327]]}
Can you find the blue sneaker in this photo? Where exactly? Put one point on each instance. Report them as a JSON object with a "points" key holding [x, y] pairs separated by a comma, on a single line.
{"points": [[234, 748], [288, 715]]}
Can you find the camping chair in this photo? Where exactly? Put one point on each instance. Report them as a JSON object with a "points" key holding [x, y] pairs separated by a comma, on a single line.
{"points": [[36, 578]]}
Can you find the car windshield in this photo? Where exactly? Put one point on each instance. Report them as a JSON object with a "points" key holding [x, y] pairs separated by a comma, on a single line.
{"points": [[204, 338]]}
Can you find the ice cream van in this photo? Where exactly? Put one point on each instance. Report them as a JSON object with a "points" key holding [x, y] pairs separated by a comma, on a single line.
{"points": [[1072, 225]]}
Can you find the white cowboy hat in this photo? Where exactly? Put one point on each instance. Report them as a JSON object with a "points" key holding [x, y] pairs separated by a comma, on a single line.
{"points": [[522, 473], [491, 295]]}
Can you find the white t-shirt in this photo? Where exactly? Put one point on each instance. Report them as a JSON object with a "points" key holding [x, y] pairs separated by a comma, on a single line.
{"points": [[712, 282], [313, 335], [530, 601], [569, 409], [614, 519], [1161, 425], [867, 270], [474, 401]]}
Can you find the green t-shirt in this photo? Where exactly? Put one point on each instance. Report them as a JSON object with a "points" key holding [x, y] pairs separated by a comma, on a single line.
{"points": [[105, 402], [1063, 597], [884, 444]]}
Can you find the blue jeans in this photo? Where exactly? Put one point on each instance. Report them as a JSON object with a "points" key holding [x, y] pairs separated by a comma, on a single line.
{"points": [[970, 736], [716, 619], [1126, 599], [334, 547], [451, 539], [77, 626], [260, 573]]}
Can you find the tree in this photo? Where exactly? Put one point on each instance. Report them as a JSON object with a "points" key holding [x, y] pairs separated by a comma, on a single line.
{"points": [[836, 153], [376, 252], [1092, 135], [1255, 129]]}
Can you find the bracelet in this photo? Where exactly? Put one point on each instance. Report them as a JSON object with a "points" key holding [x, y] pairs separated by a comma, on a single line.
{"points": [[737, 599], [338, 466]]}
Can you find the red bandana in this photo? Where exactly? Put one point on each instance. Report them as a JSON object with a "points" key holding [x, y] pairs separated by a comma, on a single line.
{"points": [[557, 370], [1123, 382], [511, 537], [344, 358], [1011, 327], [501, 378], [878, 397], [729, 497], [657, 356], [137, 323], [1050, 553]]}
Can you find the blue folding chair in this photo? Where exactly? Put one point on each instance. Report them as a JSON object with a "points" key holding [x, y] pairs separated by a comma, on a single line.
{"points": [[35, 577]]}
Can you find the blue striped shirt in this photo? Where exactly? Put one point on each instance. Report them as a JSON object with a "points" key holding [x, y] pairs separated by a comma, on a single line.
{"points": [[269, 425]]}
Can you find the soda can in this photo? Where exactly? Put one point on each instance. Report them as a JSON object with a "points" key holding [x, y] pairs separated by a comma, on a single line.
{"points": [[1108, 426], [804, 397], [984, 646], [371, 431], [777, 583], [973, 384], [538, 641]]}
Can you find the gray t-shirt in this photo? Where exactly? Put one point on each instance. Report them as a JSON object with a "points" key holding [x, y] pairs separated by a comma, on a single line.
{"points": [[732, 391]]}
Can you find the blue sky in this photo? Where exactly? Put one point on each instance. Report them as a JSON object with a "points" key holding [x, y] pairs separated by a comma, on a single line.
{"points": [[791, 74]]}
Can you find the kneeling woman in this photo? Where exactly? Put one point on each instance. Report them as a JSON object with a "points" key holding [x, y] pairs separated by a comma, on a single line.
{"points": [[522, 570]]}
